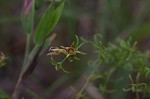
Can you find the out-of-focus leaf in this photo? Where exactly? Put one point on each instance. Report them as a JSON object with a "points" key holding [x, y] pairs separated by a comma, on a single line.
{"points": [[28, 15], [141, 32], [76, 58], [35, 95], [2, 64], [56, 0], [70, 59], [3, 95], [38, 4], [47, 23]]}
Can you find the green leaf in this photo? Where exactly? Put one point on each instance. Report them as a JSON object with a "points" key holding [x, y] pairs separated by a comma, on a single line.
{"points": [[47, 23], [70, 59], [58, 66], [27, 17], [76, 43], [3, 95], [53, 61], [65, 70], [38, 4], [82, 53], [141, 32], [42, 28], [32, 93], [2, 64], [76, 58]]}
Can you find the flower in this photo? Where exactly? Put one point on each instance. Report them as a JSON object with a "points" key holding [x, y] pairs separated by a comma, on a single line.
{"points": [[55, 51], [66, 50], [70, 53]]}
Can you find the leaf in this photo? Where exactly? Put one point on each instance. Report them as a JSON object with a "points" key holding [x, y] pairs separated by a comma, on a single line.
{"points": [[47, 23], [58, 66], [3, 95], [82, 53], [53, 61], [141, 32], [76, 43], [38, 4], [70, 59], [2, 64], [56, 16], [41, 31], [65, 70], [27, 16], [32, 93], [76, 58]]}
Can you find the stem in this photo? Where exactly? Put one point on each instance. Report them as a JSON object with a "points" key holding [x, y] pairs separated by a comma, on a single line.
{"points": [[25, 66], [17, 90], [29, 59], [85, 84], [109, 74], [18, 86], [137, 80], [137, 95], [27, 51], [62, 63], [87, 81], [65, 58]]}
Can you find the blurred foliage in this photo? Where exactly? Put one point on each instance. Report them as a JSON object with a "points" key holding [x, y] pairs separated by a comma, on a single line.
{"points": [[3, 95], [109, 71]]}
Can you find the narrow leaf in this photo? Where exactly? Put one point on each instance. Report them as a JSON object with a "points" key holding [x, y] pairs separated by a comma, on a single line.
{"points": [[48, 22], [76, 58], [28, 15], [53, 62], [55, 18], [77, 42], [141, 32], [70, 59], [41, 31], [65, 70]]}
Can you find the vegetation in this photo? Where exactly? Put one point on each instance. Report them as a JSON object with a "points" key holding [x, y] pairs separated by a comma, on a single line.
{"points": [[110, 64]]}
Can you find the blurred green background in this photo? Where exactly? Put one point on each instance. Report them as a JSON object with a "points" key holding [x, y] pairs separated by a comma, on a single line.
{"points": [[110, 18]]}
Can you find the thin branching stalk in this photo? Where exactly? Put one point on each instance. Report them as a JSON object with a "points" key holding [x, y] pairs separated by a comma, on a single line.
{"points": [[25, 66], [27, 51], [87, 81]]}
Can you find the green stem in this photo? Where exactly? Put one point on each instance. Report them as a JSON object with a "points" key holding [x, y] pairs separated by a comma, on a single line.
{"points": [[137, 95], [25, 66], [62, 63], [109, 74], [137, 80], [85, 85], [27, 51], [65, 58], [87, 81], [29, 59]]}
